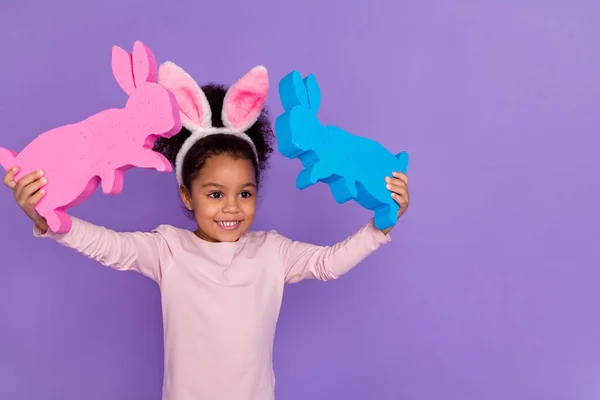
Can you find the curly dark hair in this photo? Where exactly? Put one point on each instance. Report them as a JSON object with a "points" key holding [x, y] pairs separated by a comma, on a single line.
{"points": [[261, 134]]}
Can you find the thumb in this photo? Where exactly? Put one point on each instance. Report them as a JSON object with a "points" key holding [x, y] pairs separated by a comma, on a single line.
{"points": [[9, 178]]}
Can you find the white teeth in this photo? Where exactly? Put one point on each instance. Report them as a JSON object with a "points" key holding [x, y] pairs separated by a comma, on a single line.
{"points": [[228, 223]]}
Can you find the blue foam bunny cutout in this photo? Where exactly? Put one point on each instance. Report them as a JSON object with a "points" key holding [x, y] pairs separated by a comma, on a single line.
{"points": [[354, 167]]}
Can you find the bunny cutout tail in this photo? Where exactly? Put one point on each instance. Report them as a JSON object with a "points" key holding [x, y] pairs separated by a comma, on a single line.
{"points": [[402, 157], [7, 158]]}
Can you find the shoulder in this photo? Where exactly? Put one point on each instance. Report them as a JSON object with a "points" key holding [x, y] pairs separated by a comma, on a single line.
{"points": [[173, 236], [168, 230]]}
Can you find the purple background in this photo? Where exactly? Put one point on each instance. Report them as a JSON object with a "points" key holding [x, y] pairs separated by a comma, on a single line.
{"points": [[489, 288]]}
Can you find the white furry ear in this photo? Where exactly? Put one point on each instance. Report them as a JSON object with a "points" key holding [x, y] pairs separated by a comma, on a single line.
{"points": [[193, 106], [244, 100]]}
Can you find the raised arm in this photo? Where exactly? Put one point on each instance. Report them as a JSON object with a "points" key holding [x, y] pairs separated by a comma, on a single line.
{"points": [[307, 261], [145, 252]]}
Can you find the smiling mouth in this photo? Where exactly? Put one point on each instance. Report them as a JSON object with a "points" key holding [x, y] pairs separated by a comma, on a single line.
{"points": [[229, 225]]}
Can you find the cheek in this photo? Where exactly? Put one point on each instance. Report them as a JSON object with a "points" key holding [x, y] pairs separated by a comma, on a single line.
{"points": [[204, 207], [249, 207]]}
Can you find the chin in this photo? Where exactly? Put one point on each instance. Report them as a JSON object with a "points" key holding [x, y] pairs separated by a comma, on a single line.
{"points": [[230, 232]]}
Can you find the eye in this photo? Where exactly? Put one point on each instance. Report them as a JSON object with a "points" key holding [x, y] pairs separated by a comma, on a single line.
{"points": [[215, 195], [245, 195]]}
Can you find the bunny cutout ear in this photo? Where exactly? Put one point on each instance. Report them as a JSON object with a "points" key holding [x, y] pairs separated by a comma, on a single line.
{"points": [[122, 69], [133, 72], [144, 64], [295, 91], [313, 92], [193, 106], [245, 99]]}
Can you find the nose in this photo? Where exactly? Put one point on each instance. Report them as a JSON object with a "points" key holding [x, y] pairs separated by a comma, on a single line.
{"points": [[231, 205]]}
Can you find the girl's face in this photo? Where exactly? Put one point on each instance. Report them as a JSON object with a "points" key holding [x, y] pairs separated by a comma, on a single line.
{"points": [[222, 198]]}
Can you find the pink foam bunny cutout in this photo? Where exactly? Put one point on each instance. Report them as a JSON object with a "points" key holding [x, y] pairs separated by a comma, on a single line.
{"points": [[76, 158]]}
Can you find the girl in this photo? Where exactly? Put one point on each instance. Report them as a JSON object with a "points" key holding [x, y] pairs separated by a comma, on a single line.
{"points": [[222, 285]]}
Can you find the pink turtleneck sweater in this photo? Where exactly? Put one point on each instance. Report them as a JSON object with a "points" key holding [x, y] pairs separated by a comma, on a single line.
{"points": [[220, 301]]}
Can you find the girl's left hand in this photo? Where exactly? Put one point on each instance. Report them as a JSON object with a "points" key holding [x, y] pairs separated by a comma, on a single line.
{"points": [[398, 185]]}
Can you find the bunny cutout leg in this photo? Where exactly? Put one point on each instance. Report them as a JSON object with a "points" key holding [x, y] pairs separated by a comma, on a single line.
{"points": [[112, 181], [385, 216], [402, 157], [147, 158], [57, 220], [343, 190], [314, 173]]}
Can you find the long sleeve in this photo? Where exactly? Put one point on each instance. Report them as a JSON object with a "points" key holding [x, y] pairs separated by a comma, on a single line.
{"points": [[145, 252], [307, 261]]}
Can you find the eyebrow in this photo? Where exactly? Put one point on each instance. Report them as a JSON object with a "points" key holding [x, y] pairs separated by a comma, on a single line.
{"points": [[216, 185]]}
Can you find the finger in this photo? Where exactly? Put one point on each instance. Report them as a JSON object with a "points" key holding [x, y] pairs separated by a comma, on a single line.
{"points": [[402, 201], [396, 186], [9, 177], [401, 180], [26, 180], [401, 194], [403, 177], [33, 188], [37, 196]]}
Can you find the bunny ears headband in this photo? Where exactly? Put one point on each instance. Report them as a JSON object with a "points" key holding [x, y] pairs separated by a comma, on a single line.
{"points": [[241, 107]]}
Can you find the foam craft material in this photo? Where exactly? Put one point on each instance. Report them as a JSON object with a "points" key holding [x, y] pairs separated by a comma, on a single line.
{"points": [[76, 157], [354, 167]]}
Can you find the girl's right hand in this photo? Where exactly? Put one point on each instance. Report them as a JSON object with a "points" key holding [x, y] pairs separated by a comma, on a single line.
{"points": [[28, 192]]}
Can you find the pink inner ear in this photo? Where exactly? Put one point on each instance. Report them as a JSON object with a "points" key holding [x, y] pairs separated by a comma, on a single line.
{"points": [[144, 64], [193, 105], [122, 69], [245, 99]]}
